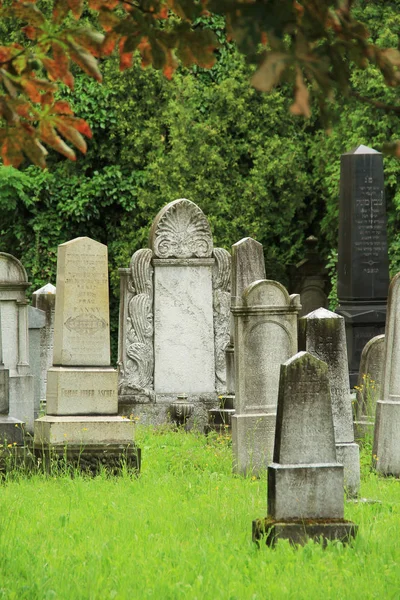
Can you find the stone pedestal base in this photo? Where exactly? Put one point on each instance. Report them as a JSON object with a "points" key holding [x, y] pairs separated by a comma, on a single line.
{"points": [[11, 430], [253, 439], [21, 389], [299, 532], [348, 454], [82, 391], [83, 431], [90, 458], [305, 491], [220, 419], [363, 428], [386, 451]]}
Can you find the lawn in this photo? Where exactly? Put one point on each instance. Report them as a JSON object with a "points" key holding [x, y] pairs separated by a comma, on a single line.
{"points": [[182, 529]]}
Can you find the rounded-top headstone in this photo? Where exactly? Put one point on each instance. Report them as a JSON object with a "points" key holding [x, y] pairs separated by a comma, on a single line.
{"points": [[181, 230], [11, 270], [266, 293]]}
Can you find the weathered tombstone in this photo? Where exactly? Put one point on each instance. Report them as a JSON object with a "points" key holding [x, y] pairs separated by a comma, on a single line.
{"points": [[11, 429], [322, 333], [386, 449], [247, 266], [174, 318], [82, 401], [310, 280], [14, 324], [363, 265], [36, 322], [369, 386], [265, 337], [305, 481], [45, 300]]}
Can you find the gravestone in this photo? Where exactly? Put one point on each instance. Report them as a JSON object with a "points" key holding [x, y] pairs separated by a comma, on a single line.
{"points": [[363, 265], [322, 333], [305, 481], [36, 322], [174, 318], [247, 266], [14, 334], [386, 449], [45, 299], [265, 337], [11, 429], [310, 280], [82, 401], [369, 385]]}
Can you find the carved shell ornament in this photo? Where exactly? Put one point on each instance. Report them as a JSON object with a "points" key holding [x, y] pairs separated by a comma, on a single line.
{"points": [[181, 230]]}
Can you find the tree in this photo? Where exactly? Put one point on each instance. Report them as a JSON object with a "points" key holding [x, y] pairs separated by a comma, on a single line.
{"points": [[313, 44]]}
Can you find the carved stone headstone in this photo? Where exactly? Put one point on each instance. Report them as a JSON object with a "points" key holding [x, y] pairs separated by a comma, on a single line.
{"points": [[265, 337], [174, 318], [305, 481], [14, 325], [386, 450], [322, 333], [363, 265], [310, 280], [45, 299], [369, 385], [36, 322], [82, 400]]}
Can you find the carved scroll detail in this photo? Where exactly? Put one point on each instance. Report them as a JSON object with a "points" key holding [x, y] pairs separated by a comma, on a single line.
{"points": [[139, 369], [221, 308], [181, 230]]}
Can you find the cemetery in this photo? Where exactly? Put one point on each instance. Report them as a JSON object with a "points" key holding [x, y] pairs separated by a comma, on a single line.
{"points": [[199, 317]]}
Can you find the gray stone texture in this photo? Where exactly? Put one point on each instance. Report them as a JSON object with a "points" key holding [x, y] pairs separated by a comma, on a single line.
{"points": [[386, 449], [14, 339], [45, 299], [36, 322], [305, 481], [322, 333], [369, 385], [174, 318], [265, 337]]}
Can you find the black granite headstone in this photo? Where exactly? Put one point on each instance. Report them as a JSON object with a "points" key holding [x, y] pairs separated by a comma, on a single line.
{"points": [[363, 264]]}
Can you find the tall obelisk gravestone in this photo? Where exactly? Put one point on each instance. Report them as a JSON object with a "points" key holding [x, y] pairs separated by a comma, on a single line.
{"points": [[363, 266], [82, 401]]}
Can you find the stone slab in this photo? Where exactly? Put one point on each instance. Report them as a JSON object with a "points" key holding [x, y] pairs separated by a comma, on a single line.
{"points": [[11, 430], [299, 533], [21, 399], [4, 391], [183, 327], [81, 327], [305, 491], [84, 430], [82, 391], [252, 442], [386, 450], [348, 454]]}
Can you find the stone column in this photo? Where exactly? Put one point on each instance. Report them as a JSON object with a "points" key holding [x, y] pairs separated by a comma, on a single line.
{"points": [[386, 450], [322, 333], [305, 481], [265, 337], [363, 264]]}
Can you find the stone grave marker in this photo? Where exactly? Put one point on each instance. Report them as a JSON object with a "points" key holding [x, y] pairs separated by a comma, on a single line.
{"points": [[36, 322], [265, 337], [322, 333], [14, 335], [174, 318], [45, 299], [386, 449], [305, 481], [310, 280], [369, 385], [363, 264], [82, 401], [247, 266]]}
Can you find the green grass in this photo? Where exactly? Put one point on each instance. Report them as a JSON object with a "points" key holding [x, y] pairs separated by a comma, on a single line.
{"points": [[182, 530]]}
